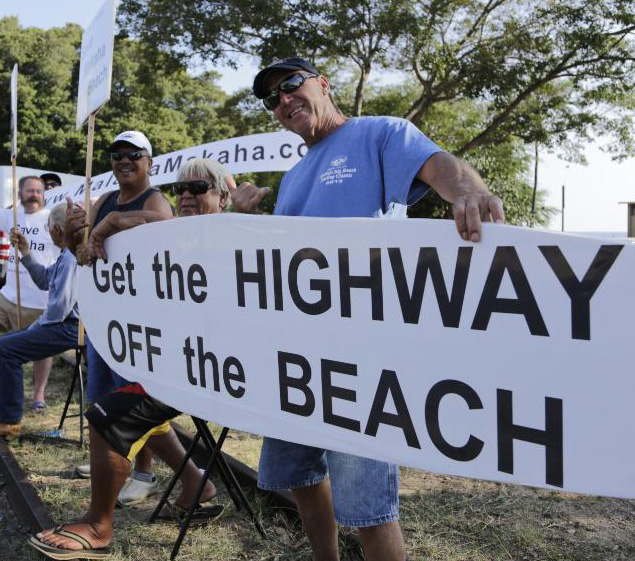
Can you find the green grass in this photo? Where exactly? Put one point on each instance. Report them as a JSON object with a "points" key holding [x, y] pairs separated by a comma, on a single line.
{"points": [[443, 518]]}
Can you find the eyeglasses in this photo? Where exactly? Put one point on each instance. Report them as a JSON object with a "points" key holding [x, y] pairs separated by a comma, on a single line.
{"points": [[51, 184], [133, 156], [198, 187], [288, 85]]}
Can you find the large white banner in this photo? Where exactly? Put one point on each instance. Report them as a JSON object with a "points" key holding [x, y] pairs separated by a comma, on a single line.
{"points": [[95, 66], [509, 360], [14, 112], [274, 151]]}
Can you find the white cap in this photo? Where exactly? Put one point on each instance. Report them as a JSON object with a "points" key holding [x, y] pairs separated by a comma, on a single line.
{"points": [[135, 138]]}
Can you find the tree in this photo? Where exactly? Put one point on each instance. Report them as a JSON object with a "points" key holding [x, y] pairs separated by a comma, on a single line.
{"points": [[150, 94], [360, 31], [48, 75], [546, 71]]}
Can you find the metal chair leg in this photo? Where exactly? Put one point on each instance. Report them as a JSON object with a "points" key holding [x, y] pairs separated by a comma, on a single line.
{"points": [[226, 473], [229, 480], [78, 379]]}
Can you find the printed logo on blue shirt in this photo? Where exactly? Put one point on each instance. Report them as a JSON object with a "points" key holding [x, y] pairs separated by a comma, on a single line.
{"points": [[338, 172]]}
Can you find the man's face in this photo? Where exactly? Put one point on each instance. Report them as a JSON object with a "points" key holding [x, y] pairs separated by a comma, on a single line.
{"points": [[188, 204], [50, 184], [305, 109], [32, 195], [57, 234], [130, 172]]}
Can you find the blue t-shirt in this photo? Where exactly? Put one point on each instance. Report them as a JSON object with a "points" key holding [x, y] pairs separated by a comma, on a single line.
{"points": [[367, 168]]}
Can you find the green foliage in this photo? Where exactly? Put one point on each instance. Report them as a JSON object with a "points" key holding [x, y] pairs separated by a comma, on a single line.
{"points": [[544, 71], [149, 93], [47, 86]]}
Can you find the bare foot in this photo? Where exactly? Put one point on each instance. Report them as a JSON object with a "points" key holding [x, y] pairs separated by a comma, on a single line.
{"points": [[187, 495], [97, 537]]}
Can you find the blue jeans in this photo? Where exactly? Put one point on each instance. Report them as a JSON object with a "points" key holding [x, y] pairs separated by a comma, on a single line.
{"points": [[100, 379], [365, 492], [16, 348]]}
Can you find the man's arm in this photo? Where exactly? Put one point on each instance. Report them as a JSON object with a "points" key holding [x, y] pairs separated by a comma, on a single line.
{"points": [[117, 222], [155, 209], [62, 298], [75, 226], [458, 183]]}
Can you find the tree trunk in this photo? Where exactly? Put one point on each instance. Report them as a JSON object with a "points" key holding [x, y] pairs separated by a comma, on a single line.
{"points": [[359, 92]]}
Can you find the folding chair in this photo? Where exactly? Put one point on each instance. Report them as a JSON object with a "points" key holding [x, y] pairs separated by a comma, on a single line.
{"points": [[217, 460], [78, 379]]}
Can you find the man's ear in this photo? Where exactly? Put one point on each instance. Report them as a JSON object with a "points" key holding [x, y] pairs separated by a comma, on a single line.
{"points": [[223, 201], [324, 84]]}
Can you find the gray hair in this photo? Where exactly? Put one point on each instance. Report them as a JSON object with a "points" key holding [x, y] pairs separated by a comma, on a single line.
{"points": [[207, 169], [25, 178], [57, 217]]}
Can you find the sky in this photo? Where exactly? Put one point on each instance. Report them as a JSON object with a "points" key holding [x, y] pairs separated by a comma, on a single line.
{"points": [[593, 193]]}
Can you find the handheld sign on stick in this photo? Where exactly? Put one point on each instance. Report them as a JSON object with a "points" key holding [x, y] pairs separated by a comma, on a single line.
{"points": [[95, 80], [95, 66], [14, 156]]}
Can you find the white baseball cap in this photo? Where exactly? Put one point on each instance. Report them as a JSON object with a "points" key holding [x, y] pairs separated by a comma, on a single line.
{"points": [[136, 138]]}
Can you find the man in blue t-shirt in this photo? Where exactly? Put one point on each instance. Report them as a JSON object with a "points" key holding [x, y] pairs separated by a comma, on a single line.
{"points": [[369, 167]]}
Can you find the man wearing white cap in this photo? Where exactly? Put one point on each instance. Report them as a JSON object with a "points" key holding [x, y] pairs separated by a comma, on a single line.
{"points": [[121, 421], [135, 201], [131, 159]]}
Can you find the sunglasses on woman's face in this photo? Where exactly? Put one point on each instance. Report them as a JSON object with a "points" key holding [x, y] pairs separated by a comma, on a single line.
{"points": [[198, 187], [288, 85], [133, 156]]}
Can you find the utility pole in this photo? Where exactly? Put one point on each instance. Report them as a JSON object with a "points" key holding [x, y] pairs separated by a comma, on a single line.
{"points": [[562, 226], [533, 196]]}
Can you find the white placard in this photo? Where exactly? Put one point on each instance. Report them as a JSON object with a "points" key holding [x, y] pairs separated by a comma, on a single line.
{"points": [[274, 151], [95, 67], [14, 112], [508, 360]]}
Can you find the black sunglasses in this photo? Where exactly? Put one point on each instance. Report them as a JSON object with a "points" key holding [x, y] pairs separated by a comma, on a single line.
{"points": [[198, 187], [133, 156], [288, 85]]}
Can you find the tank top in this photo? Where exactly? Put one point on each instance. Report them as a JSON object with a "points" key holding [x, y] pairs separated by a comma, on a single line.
{"points": [[111, 205]]}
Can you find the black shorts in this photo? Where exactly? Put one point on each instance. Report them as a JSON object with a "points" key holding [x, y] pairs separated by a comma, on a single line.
{"points": [[127, 417]]}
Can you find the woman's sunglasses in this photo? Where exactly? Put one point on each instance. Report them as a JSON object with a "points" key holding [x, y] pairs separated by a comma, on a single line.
{"points": [[198, 187], [132, 156], [288, 85]]}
